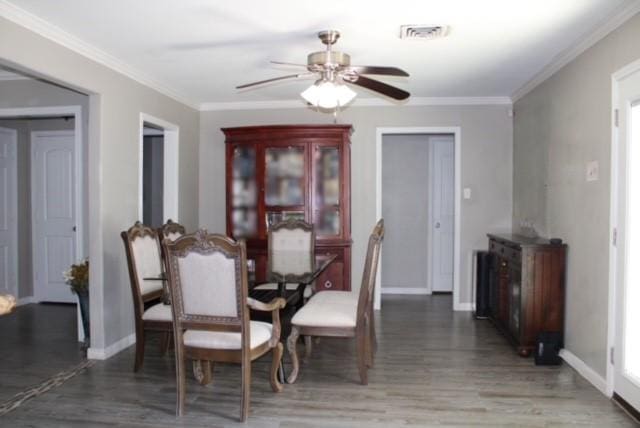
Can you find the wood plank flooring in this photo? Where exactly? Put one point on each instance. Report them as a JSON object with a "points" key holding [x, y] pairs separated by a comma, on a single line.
{"points": [[433, 368]]}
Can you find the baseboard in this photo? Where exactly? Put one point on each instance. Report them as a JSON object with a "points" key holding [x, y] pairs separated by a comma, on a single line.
{"points": [[584, 370], [111, 350], [26, 300], [404, 290], [468, 307]]}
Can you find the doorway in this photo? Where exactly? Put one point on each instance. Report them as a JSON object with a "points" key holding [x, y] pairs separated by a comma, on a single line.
{"points": [[158, 171], [48, 222], [623, 368], [422, 204]]}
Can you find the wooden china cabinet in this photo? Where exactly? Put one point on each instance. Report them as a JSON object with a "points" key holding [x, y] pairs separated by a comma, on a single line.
{"points": [[278, 172]]}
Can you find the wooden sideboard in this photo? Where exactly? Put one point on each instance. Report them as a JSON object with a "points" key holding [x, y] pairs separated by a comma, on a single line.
{"points": [[527, 288], [278, 172]]}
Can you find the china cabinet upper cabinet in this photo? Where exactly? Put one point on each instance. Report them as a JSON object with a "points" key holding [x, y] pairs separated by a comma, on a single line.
{"points": [[291, 171]]}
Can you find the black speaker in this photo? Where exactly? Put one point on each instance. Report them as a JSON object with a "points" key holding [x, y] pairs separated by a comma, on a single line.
{"points": [[548, 348], [483, 277]]}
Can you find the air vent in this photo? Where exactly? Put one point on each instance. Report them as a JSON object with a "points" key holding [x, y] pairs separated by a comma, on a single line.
{"points": [[425, 32]]}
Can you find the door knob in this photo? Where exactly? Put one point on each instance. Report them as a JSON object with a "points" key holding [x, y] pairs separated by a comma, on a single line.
{"points": [[74, 228], [437, 225]]}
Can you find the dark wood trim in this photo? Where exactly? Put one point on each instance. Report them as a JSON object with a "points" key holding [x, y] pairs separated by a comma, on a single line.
{"points": [[631, 411]]}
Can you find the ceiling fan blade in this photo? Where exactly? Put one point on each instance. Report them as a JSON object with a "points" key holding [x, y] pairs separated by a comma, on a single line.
{"points": [[373, 69], [378, 86], [275, 79], [288, 63]]}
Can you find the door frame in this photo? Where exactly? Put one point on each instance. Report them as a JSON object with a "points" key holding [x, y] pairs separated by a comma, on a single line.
{"points": [[457, 135], [77, 200], [14, 212], [613, 221], [171, 166]]}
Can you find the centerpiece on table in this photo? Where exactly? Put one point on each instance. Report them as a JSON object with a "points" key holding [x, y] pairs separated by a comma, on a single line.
{"points": [[77, 276]]}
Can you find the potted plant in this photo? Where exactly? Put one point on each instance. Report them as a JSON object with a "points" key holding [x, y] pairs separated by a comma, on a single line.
{"points": [[77, 276]]}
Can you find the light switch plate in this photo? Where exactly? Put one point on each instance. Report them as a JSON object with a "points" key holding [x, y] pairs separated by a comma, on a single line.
{"points": [[592, 171], [466, 193]]}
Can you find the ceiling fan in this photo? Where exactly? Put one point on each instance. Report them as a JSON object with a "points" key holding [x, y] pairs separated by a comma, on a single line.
{"points": [[333, 70]]}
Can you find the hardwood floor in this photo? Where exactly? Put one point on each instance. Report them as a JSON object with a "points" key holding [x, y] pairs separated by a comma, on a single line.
{"points": [[433, 367], [36, 341]]}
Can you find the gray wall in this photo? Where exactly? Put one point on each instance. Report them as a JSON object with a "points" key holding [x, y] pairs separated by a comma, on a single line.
{"points": [[560, 126], [24, 128], [153, 181], [405, 205], [115, 104], [486, 167]]}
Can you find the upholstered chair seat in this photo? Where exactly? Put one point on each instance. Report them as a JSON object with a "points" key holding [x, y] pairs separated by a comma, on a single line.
{"points": [[158, 312], [260, 333], [329, 309]]}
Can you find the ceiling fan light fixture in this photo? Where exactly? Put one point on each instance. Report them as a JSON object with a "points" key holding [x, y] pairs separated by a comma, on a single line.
{"points": [[328, 95]]}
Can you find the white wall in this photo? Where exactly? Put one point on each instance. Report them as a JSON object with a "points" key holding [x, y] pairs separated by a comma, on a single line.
{"points": [[486, 167], [405, 204], [560, 126], [116, 102]]}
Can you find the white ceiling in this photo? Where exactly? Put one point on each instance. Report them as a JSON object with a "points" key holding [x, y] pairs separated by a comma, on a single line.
{"points": [[202, 49]]}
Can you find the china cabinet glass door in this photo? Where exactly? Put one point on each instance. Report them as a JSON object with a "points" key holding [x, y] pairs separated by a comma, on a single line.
{"points": [[244, 192], [327, 209], [284, 193]]}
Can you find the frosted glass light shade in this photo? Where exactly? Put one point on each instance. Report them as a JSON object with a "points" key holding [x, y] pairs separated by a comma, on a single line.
{"points": [[328, 95]]}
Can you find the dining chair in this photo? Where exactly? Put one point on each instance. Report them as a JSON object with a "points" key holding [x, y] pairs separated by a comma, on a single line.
{"points": [[208, 282], [342, 314], [142, 248], [291, 252]]}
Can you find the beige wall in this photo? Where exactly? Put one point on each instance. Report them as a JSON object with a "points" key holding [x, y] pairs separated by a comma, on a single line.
{"points": [[560, 126], [486, 167], [116, 102]]}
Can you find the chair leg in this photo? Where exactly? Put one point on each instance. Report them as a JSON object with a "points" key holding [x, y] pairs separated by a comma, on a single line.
{"points": [[202, 371], [374, 340], [276, 352], [246, 390], [137, 365], [181, 383], [370, 344], [308, 347], [165, 341], [361, 356], [292, 341]]}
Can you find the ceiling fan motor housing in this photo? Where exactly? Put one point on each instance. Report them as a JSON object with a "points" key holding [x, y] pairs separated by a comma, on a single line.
{"points": [[332, 59]]}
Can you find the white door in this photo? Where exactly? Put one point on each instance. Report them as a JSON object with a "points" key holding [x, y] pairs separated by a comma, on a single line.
{"points": [[53, 205], [442, 214], [627, 339], [8, 212]]}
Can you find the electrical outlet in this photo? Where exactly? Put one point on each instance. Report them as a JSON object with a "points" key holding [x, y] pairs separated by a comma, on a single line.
{"points": [[466, 193], [592, 171]]}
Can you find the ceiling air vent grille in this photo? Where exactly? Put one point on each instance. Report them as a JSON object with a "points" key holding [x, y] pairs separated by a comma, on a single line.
{"points": [[425, 32]]}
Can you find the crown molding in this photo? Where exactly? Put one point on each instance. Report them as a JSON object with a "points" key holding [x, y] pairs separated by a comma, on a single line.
{"points": [[359, 102], [7, 75], [565, 57], [49, 31]]}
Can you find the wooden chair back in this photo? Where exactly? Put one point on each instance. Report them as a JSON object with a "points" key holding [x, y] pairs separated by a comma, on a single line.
{"points": [[365, 297], [171, 230], [142, 248], [291, 249], [208, 281]]}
